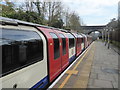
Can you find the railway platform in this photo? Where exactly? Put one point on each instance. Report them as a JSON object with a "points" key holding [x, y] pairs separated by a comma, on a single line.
{"points": [[97, 67]]}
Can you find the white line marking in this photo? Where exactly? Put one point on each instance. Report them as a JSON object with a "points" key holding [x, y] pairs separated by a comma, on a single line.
{"points": [[67, 69]]}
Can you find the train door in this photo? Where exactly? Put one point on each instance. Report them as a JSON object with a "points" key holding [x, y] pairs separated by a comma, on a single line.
{"points": [[78, 45], [64, 50], [82, 43], [85, 40], [72, 45], [53, 52]]}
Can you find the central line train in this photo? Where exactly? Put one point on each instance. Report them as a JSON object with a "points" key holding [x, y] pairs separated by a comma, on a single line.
{"points": [[33, 55]]}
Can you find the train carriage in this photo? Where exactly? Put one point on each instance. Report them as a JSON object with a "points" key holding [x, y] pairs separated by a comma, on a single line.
{"points": [[85, 40], [82, 43], [54, 57], [57, 51], [72, 48], [78, 43], [24, 52], [89, 39]]}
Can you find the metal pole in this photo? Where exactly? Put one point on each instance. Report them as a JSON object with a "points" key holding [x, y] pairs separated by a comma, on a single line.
{"points": [[105, 38], [102, 36], [108, 39]]}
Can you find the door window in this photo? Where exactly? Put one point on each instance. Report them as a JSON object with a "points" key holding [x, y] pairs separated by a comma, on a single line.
{"points": [[63, 43], [56, 45]]}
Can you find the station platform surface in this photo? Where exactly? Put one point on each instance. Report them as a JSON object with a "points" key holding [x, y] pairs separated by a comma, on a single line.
{"points": [[96, 68]]}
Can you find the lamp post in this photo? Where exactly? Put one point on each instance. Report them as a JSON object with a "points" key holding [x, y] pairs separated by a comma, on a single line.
{"points": [[108, 38], [109, 30], [105, 37], [102, 36]]}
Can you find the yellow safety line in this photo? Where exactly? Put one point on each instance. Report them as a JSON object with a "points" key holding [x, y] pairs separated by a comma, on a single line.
{"points": [[72, 72], [67, 78], [65, 81], [83, 83]]}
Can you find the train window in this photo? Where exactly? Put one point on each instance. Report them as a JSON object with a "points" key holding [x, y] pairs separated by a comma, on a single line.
{"points": [[19, 49], [78, 42], [82, 40], [71, 40], [63, 43], [56, 45]]}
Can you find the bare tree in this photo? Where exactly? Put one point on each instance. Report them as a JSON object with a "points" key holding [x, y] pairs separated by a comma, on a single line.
{"points": [[73, 21], [38, 6], [54, 11], [29, 5], [44, 9]]}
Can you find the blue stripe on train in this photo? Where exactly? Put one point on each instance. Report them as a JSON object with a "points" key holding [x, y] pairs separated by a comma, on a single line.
{"points": [[72, 58], [41, 84]]}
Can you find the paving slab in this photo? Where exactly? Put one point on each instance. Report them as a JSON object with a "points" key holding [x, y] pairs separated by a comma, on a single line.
{"points": [[108, 77], [93, 76], [102, 83]]}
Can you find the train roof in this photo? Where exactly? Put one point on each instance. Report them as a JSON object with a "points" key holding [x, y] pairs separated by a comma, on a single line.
{"points": [[9, 21]]}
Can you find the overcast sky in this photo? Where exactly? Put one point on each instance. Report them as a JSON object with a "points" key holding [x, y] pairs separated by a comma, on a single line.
{"points": [[94, 12]]}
